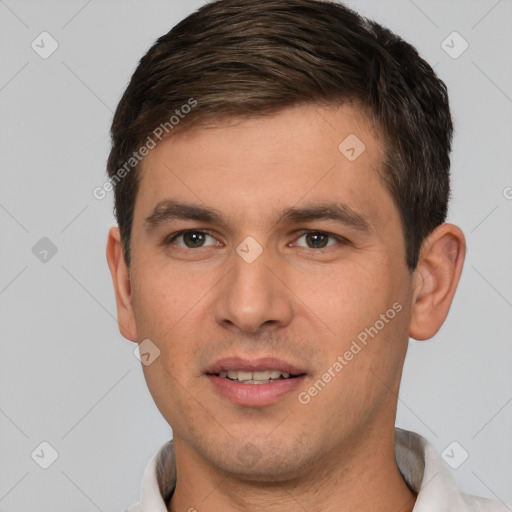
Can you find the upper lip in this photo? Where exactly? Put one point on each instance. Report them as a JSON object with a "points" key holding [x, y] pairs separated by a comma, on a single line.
{"points": [[226, 364]]}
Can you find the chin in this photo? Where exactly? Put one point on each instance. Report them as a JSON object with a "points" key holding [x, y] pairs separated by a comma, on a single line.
{"points": [[261, 462]]}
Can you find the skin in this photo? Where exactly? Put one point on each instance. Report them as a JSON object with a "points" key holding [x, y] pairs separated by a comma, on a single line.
{"points": [[299, 303]]}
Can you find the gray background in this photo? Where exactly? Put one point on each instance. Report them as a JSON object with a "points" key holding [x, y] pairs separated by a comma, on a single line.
{"points": [[67, 375]]}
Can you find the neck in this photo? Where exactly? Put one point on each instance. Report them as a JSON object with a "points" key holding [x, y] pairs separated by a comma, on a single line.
{"points": [[361, 475]]}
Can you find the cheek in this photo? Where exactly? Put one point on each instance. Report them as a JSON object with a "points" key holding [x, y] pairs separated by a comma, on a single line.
{"points": [[367, 314], [169, 392], [363, 368], [165, 296], [351, 298]]}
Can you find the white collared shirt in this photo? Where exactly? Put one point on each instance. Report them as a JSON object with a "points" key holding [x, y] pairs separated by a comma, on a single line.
{"points": [[420, 465]]}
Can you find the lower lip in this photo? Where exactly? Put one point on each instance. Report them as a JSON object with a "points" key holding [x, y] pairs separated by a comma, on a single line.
{"points": [[254, 394]]}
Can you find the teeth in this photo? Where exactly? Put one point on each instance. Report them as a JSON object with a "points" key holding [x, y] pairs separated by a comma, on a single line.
{"points": [[254, 377], [264, 375], [244, 375]]}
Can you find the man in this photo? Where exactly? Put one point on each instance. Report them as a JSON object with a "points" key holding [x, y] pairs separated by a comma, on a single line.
{"points": [[281, 174]]}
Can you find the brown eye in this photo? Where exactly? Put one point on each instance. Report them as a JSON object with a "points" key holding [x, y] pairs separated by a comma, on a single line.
{"points": [[316, 240], [193, 239]]}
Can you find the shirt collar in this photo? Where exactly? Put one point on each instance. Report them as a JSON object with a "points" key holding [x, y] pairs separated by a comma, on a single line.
{"points": [[418, 462]]}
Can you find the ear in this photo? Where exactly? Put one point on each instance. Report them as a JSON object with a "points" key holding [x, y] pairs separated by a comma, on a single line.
{"points": [[122, 287], [435, 280]]}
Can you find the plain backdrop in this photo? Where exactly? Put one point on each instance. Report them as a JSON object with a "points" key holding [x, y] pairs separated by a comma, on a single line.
{"points": [[69, 379]]}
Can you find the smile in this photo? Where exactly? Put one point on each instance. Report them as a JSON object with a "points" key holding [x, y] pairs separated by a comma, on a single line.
{"points": [[254, 382]]}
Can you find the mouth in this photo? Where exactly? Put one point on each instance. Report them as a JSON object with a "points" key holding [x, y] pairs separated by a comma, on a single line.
{"points": [[256, 382]]}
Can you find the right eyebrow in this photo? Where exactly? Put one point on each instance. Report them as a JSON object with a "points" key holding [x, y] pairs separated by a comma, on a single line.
{"points": [[168, 209]]}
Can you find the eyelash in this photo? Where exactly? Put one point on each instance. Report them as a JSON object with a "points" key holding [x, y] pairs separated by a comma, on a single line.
{"points": [[172, 238]]}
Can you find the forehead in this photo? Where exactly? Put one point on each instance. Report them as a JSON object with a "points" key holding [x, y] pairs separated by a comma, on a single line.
{"points": [[249, 167]]}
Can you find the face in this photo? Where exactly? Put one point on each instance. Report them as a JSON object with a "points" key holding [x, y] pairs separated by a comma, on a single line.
{"points": [[268, 268]]}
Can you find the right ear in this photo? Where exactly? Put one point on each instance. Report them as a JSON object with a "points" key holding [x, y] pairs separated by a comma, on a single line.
{"points": [[122, 287]]}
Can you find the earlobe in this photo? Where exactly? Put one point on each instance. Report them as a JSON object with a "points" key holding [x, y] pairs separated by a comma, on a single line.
{"points": [[122, 286], [435, 280]]}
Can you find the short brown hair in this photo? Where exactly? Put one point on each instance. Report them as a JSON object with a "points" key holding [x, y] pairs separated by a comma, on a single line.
{"points": [[238, 58]]}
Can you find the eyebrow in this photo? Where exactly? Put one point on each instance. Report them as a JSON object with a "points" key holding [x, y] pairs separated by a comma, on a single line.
{"points": [[168, 210], [331, 211]]}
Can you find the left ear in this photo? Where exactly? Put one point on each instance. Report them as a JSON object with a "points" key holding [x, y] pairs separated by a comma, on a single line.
{"points": [[435, 280]]}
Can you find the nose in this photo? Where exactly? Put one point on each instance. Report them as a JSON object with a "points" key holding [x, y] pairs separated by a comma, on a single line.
{"points": [[252, 298]]}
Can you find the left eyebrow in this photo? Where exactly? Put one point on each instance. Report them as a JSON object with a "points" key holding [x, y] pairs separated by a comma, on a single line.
{"points": [[332, 211]]}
